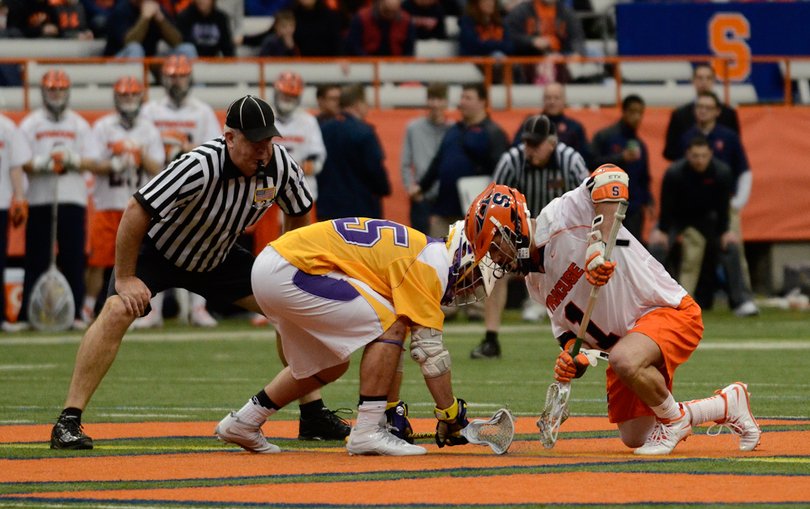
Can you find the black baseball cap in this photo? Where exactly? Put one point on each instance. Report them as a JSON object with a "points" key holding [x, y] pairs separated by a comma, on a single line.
{"points": [[254, 117], [537, 128]]}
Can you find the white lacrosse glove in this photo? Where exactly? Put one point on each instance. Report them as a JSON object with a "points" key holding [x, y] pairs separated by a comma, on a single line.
{"points": [[42, 163], [597, 269], [64, 159], [118, 164]]}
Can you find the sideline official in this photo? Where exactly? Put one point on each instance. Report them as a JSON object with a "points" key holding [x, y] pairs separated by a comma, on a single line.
{"points": [[180, 230]]}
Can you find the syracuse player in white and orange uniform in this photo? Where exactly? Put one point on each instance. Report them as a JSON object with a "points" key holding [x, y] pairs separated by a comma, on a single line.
{"points": [[336, 286], [131, 153], [184, 123], [642, 316], [62, 148]]}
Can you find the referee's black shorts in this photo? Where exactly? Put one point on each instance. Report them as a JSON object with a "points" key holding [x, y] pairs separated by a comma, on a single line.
{"points": [[227, 283]]}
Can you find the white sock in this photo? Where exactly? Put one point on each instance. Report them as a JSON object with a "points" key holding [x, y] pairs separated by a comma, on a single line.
{"points": [[253, 413], [157, 303], [369, 414], [90, 302], [668, 410], [705, 410], [196, 300]]}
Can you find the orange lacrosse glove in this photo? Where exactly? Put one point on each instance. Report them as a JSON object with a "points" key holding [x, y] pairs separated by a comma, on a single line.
{"points": [[568, 366], [597, 269], [18, 212]]}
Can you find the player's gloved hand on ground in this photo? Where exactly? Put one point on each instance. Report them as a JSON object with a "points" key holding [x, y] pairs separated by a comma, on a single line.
{"points": [[597, 269], [396, 415], [451, 421], [18, 212], [64, 159], [569, 366]]}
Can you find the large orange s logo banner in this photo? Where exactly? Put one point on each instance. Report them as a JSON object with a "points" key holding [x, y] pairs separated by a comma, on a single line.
{"points": [[728, 33]]}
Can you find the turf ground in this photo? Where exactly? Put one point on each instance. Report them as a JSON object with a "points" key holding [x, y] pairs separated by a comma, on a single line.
{"points": [[154, 414]]}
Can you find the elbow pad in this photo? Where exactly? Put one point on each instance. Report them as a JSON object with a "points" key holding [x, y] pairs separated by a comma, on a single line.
{"points": [[609, 183], [427, 348]]}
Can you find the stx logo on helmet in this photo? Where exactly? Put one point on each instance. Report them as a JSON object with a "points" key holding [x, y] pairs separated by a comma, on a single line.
{"points": [[563, 286]]}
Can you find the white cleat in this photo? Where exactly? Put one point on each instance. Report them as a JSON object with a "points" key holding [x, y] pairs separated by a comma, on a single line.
{"points": [[233, 431], [378, 441], [739, 418], [666, 435], [202, 318], [151, 321]]}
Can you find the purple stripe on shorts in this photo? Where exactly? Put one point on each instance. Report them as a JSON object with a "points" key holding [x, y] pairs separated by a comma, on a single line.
{"points": [[326, 287]]}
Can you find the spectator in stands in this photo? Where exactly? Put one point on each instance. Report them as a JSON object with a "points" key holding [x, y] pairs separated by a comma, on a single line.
{"points": [[481, 31], [98, 12], [428, 18], [620, 144], [184, 123], [545, 27], [328, 97], [353, 180], [10, 75], [471, 147], [14, 153], [174, 7], [569, 130], [317, 29], [136, 26], [281, 40], [695, 202], [382, 29], [683, 118], [34, 18], [131, 153], [265, 7], [235, 9], [207, 28], [62, 149], [422, 139], [7, 31]]}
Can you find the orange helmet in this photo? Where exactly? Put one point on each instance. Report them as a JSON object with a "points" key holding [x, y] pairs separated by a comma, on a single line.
{"points": [[177, 65], [55, 91], [290, 83], [500, 210], [128, 96]]}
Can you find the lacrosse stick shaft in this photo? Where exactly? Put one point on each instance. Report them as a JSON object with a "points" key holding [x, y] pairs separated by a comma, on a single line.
{"points": [[618, 217], [418, 436]]}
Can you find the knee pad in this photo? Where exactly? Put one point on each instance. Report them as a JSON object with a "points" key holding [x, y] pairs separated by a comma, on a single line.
{"points": [[427, 348]]}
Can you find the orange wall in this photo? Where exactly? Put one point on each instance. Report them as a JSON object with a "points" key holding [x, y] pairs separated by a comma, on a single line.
{"points": [[775, 139]]}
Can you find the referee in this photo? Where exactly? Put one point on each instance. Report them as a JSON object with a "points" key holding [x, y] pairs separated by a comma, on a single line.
{"points": [[180, 230], [542, 168]]}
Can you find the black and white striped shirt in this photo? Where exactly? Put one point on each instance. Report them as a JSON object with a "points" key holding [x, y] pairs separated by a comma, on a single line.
{"points": [[201, 203], [564, 171]]}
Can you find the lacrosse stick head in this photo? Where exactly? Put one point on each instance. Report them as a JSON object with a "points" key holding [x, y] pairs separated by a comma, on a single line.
{"points": [[51, 307], [554, 413], [496, 432]]}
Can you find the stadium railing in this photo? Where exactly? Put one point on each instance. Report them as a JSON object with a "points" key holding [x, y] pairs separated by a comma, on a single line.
{"points": [[395, 82]]}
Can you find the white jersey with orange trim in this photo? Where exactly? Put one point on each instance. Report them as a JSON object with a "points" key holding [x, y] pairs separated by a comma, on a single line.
{"points": [[194, 119], [639, 283], [301, 136], [14, 151], [401, 264], [42, 134], [112, 192]]}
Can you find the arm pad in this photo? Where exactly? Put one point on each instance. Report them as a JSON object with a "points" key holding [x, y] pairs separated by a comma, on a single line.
{"points": [[608, 183], [427, 348]]}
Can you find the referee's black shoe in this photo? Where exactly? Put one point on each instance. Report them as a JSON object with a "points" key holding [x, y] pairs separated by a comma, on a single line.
{"points": [[488, 349], [67, 434], [326, 425]]}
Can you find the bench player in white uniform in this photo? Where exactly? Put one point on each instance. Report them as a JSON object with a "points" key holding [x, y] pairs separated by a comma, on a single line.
{"points": [[184, 123], [301, 136], [62, 149], [643, 317], [334, 287], [131, 154]]}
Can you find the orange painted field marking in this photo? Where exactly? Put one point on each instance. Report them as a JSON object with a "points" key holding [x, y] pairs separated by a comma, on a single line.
{"points": [[611, 488]]}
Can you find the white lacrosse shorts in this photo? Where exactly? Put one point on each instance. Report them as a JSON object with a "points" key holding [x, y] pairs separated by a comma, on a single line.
{"points": [[321, 319]]}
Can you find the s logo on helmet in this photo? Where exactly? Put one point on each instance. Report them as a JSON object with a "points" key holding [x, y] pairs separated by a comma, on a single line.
{"points": [[503, 200]]}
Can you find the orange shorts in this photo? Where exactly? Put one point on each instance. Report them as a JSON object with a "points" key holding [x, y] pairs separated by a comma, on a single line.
{"points": [[103, 229], [677, 332]]}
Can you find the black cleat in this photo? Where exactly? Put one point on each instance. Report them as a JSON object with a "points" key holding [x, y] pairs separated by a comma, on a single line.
{"points": [[67, 434], [326, 426], [486, 350]]}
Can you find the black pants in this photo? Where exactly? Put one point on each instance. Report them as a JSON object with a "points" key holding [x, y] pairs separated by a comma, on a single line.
{"points": [[71, 260]]}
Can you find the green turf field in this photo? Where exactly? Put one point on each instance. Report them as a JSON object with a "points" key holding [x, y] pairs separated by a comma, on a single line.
{"points": [[187, 374]]}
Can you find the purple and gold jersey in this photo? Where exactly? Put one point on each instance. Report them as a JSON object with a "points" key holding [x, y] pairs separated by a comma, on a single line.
{"points": [[401, 264]]}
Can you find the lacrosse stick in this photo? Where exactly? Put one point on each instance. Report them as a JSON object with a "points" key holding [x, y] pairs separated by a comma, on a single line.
{"points": [[497, 432], [51, 307], [555, 411]]}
